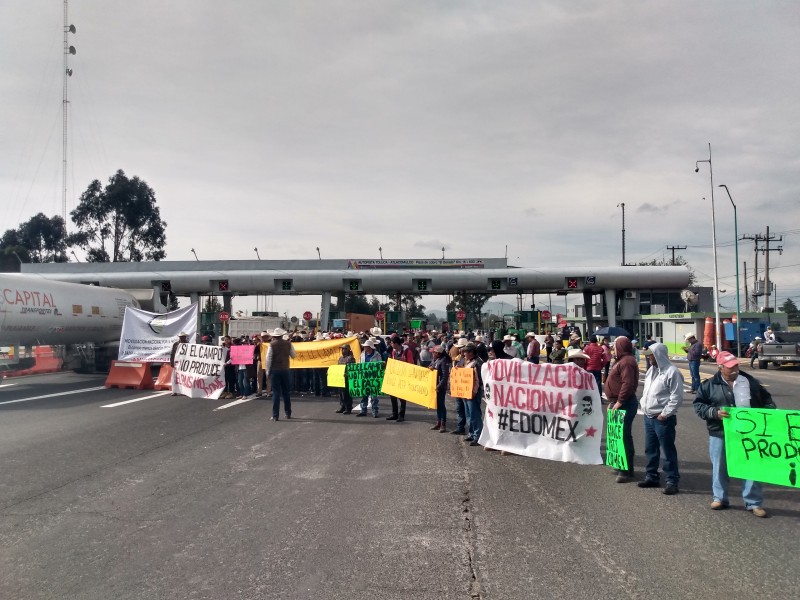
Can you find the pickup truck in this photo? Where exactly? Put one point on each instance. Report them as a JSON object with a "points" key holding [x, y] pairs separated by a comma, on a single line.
{"points": [[785, 349]]}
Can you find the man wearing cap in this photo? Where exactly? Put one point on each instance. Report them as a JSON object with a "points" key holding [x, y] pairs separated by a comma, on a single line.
{"points": [[662, 395], [278, 355], [694, 355], [369, 354], [727, 388]]}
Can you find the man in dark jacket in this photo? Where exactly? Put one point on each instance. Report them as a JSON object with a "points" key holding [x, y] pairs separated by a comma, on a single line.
{"points": [[621, 393], [278, 355], [729, 388], [694, 354]]}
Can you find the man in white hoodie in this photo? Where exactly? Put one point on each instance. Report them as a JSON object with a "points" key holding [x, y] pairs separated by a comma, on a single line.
{"points": [[662, 395]]}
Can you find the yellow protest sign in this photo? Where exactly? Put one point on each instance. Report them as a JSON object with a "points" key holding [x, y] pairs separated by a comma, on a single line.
{"points": [[324, 353], [336, 376], [410, 382], [461, 382]]}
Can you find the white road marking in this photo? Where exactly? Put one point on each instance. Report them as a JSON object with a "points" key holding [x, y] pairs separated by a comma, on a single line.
{"points": [[234, 403], [156, 395], [2, 385], [94, 389]]}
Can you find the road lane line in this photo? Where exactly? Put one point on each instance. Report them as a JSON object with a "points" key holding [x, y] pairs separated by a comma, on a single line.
{"points": [[156, 395], [2, 385], [94, 389], [234, 403]]}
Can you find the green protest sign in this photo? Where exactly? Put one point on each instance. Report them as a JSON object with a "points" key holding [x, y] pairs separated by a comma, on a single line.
{"points": [[763, 445], [364, 379], [615, 448]]}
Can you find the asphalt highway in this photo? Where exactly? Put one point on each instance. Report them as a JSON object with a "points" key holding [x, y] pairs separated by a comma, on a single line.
{"points": [[123, 494]]}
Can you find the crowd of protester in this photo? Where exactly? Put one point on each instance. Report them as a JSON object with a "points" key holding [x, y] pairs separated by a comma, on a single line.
{"points": [[615, 367]]}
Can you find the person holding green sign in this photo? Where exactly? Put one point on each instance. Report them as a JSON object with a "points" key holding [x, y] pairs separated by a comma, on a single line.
{"points": [[661, 397], [729, 388], [621, 392], [369, 355]]}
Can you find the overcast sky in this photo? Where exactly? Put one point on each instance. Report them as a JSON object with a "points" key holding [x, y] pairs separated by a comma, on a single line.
{"points": [[414, 125]]}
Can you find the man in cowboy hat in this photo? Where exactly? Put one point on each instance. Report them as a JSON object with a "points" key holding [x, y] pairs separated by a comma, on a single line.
{"points": [[369, 355], [577, 356], [534, 350], [509, 347], [278, 355]]}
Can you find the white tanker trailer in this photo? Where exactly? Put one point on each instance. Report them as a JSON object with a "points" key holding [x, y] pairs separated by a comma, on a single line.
{"points": [[36, 311]]}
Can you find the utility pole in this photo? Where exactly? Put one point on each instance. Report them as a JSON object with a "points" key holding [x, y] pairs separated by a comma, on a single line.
{"points": [[673, 248], [746, 295], [68, 50], [756, 238], [622, 204], [766, 250]]}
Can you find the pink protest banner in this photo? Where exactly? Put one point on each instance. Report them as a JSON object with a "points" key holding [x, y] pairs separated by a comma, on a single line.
{"points": [[241, 355]]}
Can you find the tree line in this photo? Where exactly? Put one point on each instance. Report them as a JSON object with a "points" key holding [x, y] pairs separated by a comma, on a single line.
{"points": [[118, 222]]}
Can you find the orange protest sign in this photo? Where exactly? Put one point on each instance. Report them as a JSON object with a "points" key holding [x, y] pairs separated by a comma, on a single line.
{"points": [[461, 382]]}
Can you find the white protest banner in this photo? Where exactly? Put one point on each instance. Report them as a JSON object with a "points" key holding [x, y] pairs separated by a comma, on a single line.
{"points": [[148, 337], [542, 410], [199, 371]]}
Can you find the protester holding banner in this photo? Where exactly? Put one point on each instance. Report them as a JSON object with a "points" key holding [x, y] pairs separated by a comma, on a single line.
{"points": [[441, 364], [230, 370], [182, 339], [242, 376], [369, 355], [403, 354], [278, 355], [621, 392], [262, 381], [461, 403], [473, 404], [727, 388], [661, 397], [345, 400]]}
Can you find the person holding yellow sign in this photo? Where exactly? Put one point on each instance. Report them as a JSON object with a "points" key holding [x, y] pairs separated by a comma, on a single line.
{"points": [[473, 404]]}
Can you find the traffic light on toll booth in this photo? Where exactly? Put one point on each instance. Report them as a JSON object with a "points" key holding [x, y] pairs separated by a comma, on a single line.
{"points": [[222, 285]]}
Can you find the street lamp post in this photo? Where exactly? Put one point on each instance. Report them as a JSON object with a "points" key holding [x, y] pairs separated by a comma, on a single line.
{"points": [[738, 305], [717, 323]]}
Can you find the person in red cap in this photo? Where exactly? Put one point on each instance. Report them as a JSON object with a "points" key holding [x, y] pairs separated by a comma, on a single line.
{"points": [[727, 388]]}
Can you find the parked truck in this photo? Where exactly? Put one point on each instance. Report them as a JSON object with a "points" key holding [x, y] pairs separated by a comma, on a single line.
{"points": [[784, 350]]}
